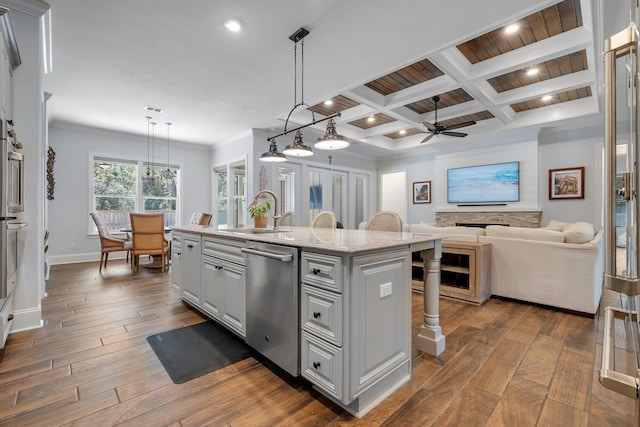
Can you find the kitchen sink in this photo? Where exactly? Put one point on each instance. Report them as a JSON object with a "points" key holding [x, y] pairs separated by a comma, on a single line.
{"points": [[253, 230]]}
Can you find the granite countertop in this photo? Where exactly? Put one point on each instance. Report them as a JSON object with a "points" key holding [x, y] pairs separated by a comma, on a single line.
{"points": [[338, 240]]}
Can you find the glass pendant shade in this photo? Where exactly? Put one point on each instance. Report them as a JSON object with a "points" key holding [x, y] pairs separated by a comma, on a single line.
{"points": [[331, 140], [273, 155], [298, 148], [167, 172]]}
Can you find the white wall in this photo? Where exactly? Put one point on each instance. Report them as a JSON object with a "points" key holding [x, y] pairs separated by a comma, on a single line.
{"points": [[69, 219], [550, 150], [524, 152], [568, 149]]}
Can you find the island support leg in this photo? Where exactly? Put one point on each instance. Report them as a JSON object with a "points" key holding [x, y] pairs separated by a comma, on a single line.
{"points": [[430, 339]]}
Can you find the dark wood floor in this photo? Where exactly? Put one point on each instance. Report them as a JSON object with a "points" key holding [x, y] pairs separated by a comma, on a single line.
{"points": [[505, 364]]}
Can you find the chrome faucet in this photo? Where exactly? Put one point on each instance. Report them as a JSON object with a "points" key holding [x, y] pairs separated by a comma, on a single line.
{"points": [[276, 217]]}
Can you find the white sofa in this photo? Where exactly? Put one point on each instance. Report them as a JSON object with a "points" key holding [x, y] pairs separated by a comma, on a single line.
{"points": [[560, 265]]}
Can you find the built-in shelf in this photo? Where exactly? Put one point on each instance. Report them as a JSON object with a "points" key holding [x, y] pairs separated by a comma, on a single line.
{"points": [[465, 271]]}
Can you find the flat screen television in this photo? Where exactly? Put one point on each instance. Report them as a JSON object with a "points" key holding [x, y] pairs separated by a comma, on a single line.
{"points": [[495, 183]]}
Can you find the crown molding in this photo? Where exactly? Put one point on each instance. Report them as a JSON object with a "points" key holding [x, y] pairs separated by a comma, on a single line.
{"points": [[35, 8]]}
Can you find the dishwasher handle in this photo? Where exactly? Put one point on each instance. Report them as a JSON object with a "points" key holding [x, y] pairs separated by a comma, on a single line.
{"points": [[280, 257]]}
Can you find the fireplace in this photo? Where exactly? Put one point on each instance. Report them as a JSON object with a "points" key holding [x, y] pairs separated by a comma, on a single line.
{"points": [[530, 219], [477, 224]]}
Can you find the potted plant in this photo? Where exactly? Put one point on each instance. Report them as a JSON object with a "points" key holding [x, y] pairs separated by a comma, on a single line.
{"points": [[258, 212]]}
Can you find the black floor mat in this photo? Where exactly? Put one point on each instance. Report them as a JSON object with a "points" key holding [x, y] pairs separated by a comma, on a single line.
{"points": [[193, 351]]}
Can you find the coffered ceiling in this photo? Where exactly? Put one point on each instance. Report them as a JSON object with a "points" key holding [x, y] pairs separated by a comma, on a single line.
{"points": [[380, 62]]}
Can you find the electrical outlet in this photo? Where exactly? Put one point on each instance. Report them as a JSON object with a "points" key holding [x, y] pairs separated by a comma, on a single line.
{"points": [[385, 290]]}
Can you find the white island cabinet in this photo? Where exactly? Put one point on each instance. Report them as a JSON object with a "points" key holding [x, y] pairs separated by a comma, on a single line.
{"points": [[354, 296]]}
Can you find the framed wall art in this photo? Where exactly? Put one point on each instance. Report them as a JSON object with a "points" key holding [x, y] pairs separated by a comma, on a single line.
{"points": [[566, 183], [422, 192]]}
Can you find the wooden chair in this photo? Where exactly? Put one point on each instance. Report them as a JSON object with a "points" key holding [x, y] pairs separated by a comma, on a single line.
{"points": [[288, 218], [108, 243], [200, 218], [325, 219], [385, 221], [148, 238]]}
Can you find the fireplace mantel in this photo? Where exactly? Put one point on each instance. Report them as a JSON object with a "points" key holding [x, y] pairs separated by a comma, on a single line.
{"points": [[515, 218]]}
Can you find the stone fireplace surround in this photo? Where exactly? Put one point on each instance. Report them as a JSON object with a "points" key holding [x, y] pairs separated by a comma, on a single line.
{"points": [[530, 219]]}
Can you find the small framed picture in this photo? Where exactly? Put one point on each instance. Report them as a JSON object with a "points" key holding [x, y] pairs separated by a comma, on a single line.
{"points": [[422, 192], [566, 183]]}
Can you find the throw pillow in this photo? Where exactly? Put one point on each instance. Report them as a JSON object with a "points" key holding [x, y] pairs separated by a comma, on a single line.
{"points": [[556, 225], [580, 232]]}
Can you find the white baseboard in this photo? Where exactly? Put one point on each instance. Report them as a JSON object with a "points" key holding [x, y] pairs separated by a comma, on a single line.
{"points": [[86, 257], [24, 320]]}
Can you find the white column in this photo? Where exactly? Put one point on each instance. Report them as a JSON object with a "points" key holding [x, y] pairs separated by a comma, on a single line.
{"points": [[430, 339]]}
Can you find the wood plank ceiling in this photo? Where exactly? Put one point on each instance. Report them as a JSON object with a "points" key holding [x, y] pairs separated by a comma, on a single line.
{"points": [[510, 80]]}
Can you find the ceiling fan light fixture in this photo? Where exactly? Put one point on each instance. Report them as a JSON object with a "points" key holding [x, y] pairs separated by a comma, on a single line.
{"points": [[273, 155], [297, 148], [331, 140]]}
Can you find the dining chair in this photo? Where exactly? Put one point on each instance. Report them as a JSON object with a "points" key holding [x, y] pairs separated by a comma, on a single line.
{"points": [[325, 219], [108, 243], [385, 221], [288, 218], [148, 238], [200, 218]]}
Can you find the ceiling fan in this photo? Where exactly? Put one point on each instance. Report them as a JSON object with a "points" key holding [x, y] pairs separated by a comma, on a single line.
{"points": [[440, 129]]}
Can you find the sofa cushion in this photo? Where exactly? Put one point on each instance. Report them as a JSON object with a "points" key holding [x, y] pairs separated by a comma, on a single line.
{"points": [[580, 232], [556, 225], [524, 233]]}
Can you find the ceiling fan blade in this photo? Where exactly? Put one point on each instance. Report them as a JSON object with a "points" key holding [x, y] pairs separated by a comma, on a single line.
{"points": [[430, 126], [427, 138], [461, 125], [458, 134]]}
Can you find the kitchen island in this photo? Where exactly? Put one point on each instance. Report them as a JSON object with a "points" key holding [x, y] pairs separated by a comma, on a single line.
{"points": [[345, 322]]}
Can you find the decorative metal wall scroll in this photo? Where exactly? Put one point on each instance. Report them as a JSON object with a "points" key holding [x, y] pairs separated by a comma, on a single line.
{"points": [[51, 182]]}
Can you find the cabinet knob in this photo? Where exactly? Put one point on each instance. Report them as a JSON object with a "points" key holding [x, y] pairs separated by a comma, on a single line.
{"points": [[315, 271], [178, 253], [316, 314], [190, 246], [316, 365]]}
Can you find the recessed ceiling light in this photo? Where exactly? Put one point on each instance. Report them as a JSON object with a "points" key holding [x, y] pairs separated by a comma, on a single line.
{"points": [[233, 25], [402, 132], [532, 71], [547, 98], [510, 29], [328, 102], [371, 119]]}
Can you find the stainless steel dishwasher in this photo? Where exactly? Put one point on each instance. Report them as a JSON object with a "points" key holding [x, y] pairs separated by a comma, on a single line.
{"points": [[273, 304]]}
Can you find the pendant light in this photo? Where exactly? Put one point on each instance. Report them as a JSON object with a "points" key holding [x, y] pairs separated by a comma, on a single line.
{"points": [[331, 140], [148, 176], [273, 155], [298, 149], [167, 172]]}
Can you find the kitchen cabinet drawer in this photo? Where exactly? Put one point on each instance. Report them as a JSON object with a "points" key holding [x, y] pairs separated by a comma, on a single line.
{"points": [[321, 313], [6, 319], [226, 249], [321, 364], [324, 271]]}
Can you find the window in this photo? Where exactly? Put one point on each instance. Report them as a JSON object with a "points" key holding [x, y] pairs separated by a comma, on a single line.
{"points": [[230, 185], [118, 190]]}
